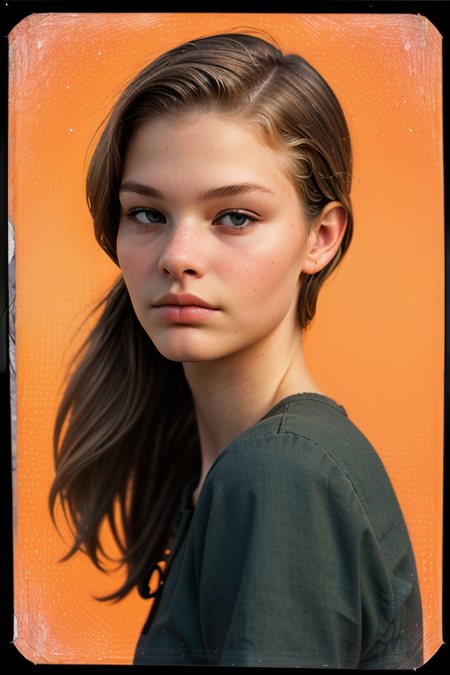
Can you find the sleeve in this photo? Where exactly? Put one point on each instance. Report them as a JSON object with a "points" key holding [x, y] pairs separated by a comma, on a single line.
{"points": [[288, 569]]}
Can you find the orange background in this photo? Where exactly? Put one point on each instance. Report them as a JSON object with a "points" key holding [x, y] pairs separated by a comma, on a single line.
{"points": [[376, 345]]}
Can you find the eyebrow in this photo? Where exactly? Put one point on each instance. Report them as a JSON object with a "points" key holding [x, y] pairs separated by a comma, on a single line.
{"points": [[232, 190], [146, 190], [205, 195]]}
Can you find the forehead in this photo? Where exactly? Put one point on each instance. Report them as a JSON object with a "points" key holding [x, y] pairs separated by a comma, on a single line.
{"points": [[215, 140]]}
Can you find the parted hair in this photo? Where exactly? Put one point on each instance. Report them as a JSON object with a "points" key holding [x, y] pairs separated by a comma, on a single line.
{"points": [[130, 438]]}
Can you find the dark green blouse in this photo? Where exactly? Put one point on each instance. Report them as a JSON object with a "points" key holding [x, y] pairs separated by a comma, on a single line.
{"points": [[297, 554]]}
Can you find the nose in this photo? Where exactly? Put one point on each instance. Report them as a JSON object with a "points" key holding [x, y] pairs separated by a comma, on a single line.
{"points": [[183, 253]]}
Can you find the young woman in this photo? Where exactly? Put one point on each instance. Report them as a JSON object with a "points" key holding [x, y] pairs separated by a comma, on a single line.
{"points": [[221, 188]]}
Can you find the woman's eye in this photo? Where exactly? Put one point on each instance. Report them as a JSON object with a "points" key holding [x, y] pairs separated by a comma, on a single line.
{"points": [[235, 219], [146, 216]]}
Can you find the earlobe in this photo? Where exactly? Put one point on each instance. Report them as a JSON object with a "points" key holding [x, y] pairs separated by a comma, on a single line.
{"points": [[327, 238]]}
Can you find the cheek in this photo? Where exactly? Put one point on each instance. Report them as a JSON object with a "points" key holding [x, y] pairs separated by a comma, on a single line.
{"points": [[267, 277], [136, 261]]}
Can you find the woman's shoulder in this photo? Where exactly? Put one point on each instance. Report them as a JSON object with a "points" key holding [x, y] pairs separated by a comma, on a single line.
{"points": [[307, 430], [307, 443]]}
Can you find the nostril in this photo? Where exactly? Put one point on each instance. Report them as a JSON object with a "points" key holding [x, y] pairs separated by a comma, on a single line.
{"points": [[166, 271]]}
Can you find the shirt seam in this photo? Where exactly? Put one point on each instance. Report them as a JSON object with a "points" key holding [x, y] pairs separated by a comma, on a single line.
{"points": [[294, 399], [344, 472]]}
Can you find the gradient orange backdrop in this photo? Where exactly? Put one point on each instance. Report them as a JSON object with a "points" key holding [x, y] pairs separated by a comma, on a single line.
{"points": [[376, 345]]}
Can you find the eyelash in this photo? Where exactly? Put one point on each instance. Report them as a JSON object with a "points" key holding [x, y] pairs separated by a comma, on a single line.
{"points": [[239, 229]]}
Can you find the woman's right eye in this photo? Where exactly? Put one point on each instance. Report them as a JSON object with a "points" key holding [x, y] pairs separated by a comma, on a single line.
{"points": [[146, 216]]}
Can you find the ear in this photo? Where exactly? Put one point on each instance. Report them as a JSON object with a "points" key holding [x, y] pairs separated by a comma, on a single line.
{"points": [[325, 237]]}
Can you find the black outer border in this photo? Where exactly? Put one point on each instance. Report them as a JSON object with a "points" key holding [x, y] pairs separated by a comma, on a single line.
{"points": [[11, 13]]}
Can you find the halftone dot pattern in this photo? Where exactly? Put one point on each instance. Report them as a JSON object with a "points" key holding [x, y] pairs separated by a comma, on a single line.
{"points": [[376, 344]]}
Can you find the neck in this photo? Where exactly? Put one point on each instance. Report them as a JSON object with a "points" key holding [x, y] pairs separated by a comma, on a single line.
{"points": [[233, 393]]}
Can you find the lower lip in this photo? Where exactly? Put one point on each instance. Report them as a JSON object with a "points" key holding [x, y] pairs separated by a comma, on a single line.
{"points": [[183, 313]]}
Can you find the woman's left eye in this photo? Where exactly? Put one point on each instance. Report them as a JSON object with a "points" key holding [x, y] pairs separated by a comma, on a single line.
{"points": [[236, 220]]}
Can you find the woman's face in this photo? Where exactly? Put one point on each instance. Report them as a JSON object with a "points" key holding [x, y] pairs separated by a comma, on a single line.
{"points": [[207, 211]]}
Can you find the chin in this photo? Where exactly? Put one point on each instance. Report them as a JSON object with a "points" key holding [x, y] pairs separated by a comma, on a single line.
{"points": [[184, 349], [185, 356], [181, 357]]}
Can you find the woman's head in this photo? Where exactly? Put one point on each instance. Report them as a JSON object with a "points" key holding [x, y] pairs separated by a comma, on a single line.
{"points": [[208, 210], [282, 98]]}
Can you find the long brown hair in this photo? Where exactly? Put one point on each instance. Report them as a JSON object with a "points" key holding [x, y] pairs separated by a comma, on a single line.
{"points": [[131, 439]]}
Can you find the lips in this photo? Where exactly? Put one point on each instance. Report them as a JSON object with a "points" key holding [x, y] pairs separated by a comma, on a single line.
{"points": [[185, 308], [182, 300]]}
